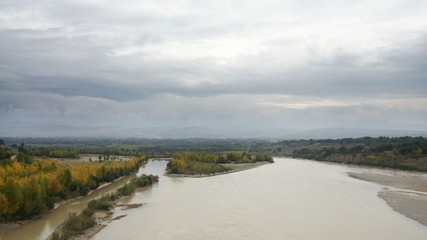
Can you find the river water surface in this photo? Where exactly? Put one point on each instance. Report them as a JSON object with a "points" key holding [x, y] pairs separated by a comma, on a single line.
{"points": [[290, 199]]}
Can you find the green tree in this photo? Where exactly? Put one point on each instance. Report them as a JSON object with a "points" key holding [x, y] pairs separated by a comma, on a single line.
{"points": [[13, 193], [21, 157], [21, 148], [4, 205]]}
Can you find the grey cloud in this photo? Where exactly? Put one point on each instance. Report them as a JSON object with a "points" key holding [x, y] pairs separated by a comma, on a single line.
{"points": [[72, 69], [77, 65]]}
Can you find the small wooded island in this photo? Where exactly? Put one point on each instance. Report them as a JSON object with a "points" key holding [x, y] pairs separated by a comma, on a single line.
{"points": [[188, 163]]}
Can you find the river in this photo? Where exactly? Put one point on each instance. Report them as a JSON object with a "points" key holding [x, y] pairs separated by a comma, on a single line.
{"points": [[290, 199]]}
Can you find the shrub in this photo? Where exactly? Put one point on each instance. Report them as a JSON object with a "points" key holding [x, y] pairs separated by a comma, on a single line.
{"points": [[100, 204], [77, 223], [126, 190], [144, 180]]}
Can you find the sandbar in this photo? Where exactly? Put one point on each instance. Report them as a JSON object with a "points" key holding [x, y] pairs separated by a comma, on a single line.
{"points": [[409, 196]]}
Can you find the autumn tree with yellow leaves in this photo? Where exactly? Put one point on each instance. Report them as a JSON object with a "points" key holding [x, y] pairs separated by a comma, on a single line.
{"points": [[30, 187]]}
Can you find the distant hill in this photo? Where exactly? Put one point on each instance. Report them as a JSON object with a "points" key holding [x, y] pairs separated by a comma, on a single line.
{"points": [[29, 129]]}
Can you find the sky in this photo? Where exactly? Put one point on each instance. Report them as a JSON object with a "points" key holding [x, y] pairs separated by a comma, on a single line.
{"points": [[219, 65]]}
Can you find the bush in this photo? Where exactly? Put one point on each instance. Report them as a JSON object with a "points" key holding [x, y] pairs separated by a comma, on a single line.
{"points": [[77, 223], [126, 190], [100, 204], [55, 236], [144, 180]]}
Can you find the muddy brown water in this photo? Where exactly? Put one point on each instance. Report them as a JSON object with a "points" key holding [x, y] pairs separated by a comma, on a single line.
{"points": [[290, 199]]}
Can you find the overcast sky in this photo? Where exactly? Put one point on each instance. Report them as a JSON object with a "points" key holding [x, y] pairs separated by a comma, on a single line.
{"points": [[217, 64]]}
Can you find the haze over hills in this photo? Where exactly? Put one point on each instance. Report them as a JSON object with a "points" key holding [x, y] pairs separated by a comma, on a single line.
{"points": [[27, 129]]}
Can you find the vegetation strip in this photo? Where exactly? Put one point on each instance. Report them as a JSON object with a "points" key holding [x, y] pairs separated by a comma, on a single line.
{"points": [[406, 153], [30, 186]]}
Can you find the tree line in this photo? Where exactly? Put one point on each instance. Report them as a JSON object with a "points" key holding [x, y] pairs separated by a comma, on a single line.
{"points": [[32, 186], [53, 152], [127, 146], [402, 153]]}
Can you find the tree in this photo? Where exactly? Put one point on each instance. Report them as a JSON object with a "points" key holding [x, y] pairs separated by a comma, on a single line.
{"points": [[22, 148], [5, 154], [21, 157], [33, 200], [416, 152], [3, 205], [13, 193], [54, 186], [67, 177]]}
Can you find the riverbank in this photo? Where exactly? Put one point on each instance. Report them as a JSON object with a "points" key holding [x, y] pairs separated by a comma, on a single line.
{"points": [[235, 167], [99, 212], [408, 195], [102, 219], [4, 226]]}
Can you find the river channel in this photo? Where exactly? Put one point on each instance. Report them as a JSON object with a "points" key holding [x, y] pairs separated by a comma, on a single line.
{"points": [[290, 199]]}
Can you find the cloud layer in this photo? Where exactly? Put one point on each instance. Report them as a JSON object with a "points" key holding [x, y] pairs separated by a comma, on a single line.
{"points": [[221, 64]]}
